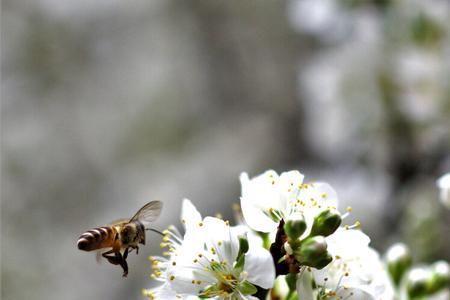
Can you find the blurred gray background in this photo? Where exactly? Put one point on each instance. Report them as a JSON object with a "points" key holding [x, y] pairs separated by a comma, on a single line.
{"points": [[108, 104]]}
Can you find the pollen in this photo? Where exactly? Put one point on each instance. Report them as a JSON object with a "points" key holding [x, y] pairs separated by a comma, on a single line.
{"points": [[174, 263], [200, 224], [172, 278], [149, 294]]}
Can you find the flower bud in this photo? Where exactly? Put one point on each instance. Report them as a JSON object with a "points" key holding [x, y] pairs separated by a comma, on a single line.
{"points": [[323, 262], [243, 245], [398, 259], [326, 223], [313, 252], [418, 282], [440, 277], [444, 185], [295, 226]]}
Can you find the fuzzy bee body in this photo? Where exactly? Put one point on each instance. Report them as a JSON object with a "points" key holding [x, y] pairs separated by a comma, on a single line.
{"points": [[125, 234]]}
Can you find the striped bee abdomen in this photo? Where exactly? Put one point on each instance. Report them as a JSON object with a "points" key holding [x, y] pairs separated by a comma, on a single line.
{"points": [[96, 238]]}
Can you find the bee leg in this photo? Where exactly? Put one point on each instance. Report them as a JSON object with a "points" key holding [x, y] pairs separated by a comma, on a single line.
{"points": [[112, 259], [123, 262], [137, 250]]}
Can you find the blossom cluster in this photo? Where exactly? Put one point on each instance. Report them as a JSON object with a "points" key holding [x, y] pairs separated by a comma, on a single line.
{"points": [[291, 241]]}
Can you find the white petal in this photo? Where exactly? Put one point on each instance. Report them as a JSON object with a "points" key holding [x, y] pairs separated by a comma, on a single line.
{"points": [[248, 297], [304, 286], [190, 216], [347, 243], [219, 235], [258, 196], [288, 188], [182, 282], [354, 294], [163, 292], [260, 267], [256, 218]]}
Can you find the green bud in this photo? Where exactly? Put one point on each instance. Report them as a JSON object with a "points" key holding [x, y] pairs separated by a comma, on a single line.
{"points": [[440, 277], [312, 251], [417, 285], [398, 259], [326, 223], [323, 262], [295, 226]]}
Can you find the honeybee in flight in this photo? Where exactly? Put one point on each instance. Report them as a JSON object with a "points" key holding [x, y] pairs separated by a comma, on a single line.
{"points": [[124, 234]]}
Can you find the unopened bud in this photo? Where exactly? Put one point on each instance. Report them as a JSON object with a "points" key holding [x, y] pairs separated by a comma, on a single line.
{"points": [[326, 223], [312, 252], [295, 226], [418, 282], [440, 276], [398, 259], [323, 262]]}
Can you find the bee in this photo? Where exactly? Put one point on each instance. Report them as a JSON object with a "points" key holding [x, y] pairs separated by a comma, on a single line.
{"points": [[124, 234]]}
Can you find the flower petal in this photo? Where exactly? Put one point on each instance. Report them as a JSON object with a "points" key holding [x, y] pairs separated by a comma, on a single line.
{"points": [[190, 217], [260, 267], [218, 236], [258, 196], [304, 286]]}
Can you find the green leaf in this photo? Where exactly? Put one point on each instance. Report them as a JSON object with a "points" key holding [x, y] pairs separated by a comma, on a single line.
{"points": [[247, 288]]}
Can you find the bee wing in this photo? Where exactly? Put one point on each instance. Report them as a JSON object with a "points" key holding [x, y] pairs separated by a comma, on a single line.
{"points": [[148, 213], [98, 255], [118, 222]]}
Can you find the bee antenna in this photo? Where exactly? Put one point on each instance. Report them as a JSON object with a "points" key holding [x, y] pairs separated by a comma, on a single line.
{"points": [[154, 230]]}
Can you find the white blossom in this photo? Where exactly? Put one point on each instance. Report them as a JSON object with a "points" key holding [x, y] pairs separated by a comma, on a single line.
{"points": [[356, 271], [204, 263], [269, 197]]}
